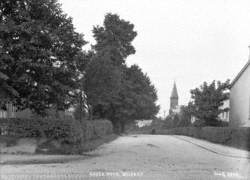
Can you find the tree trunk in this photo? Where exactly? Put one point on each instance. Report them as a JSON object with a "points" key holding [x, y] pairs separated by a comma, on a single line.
{"points": [[90, 112], [122, 126]]}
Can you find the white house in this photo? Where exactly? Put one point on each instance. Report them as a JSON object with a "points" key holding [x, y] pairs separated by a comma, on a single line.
{"points": [[240, 98], [8, 112], [224, 116], [142, 123]]}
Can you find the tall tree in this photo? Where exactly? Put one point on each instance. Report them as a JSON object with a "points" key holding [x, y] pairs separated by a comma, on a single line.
{"points": [[114, 90], [137, 98], [114, 39], [207, 99], [39, 53], [104, 72], [102, 85]]}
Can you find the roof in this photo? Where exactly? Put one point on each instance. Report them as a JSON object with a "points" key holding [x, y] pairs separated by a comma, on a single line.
{"points": [[240, 73], [174, 93]]}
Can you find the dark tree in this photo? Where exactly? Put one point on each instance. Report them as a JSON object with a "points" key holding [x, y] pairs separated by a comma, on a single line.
{"points": [[114, 39], [40, 54], [207, 99], [80, 113], [104, 73], [102, 85], [184, 116], [113, 90], [137, 98]]}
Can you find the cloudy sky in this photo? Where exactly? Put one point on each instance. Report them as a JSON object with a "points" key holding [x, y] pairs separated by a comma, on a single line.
{"points": [[190, 41]]}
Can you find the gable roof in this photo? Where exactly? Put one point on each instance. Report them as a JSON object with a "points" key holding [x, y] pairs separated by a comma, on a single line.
{"points": [[240, 73]]}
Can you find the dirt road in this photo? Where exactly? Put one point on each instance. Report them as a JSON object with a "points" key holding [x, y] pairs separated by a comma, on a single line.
{"points": [[141, 157]]}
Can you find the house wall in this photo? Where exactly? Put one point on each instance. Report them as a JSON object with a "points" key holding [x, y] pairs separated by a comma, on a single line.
{"points": [[240, 101]]}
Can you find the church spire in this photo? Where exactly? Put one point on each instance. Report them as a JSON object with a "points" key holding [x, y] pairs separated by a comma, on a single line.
{"points": [[173, 99], [174, 93]]}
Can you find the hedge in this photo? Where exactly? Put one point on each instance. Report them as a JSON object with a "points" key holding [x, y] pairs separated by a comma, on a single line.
{"points": [[96, 128], [69, 131], [236, 137]]}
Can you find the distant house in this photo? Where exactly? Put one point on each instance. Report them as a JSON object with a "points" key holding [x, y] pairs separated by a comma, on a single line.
{"points": [[193, 119], [224, 116], [142, 123], [240, 98], [8, 110]]}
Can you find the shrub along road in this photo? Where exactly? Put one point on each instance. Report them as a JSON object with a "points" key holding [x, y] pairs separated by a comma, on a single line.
{"points": [[143, 157]]}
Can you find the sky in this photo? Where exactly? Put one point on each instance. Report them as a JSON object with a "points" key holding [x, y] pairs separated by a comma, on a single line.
{"points": [[178, 40]]}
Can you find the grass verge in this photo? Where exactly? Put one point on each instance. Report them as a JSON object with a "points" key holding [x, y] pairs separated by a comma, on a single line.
{"points": [[95, 143], [22, 159]]}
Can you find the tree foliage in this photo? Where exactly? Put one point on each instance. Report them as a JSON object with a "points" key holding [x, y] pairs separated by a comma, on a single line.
{"points": [[102, 84], [80, 114], [114, 39], [184, 116], [207, 99], [137, 96], [114, 90], [181, 119], [40, 54]]}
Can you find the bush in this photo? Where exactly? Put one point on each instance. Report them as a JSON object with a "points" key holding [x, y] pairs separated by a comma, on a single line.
{"points": [[61, 135], [66, 130], [96, 128], [153, 131], [218, 123], [199, 123], [80, 114], [22, 127]]}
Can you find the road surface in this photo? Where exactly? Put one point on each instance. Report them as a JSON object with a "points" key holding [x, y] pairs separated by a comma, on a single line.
{"points": [[143, 157]]}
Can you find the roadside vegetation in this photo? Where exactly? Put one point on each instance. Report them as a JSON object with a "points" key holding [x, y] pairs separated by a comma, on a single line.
{"points": [[204, 107], [43, 66]]}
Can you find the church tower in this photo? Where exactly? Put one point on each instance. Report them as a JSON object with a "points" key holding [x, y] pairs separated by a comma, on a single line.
{"points": [[173, 99]]}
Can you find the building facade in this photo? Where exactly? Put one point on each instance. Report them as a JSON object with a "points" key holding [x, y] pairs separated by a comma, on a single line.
{"points": [[240, 98], [10, 111]]}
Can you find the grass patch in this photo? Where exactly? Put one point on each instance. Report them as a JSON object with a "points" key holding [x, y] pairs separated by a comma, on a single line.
{"points": [[39, 159], [55, 157], [8, 140], [95, 143], [56, 147]]}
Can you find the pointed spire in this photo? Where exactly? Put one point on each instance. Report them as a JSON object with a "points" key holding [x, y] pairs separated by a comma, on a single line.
{"points": [[174, 93]]}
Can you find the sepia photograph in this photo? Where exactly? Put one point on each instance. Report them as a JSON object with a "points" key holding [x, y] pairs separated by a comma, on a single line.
{"points": [[125, 89]]}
